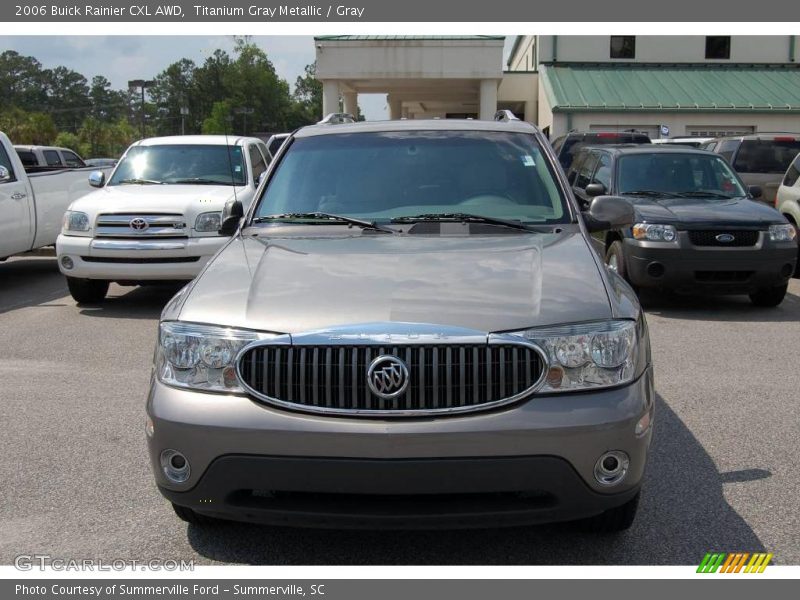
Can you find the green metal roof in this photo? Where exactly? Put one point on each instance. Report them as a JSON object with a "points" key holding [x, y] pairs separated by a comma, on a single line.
{"points": [[403, 38], [672, 88]]}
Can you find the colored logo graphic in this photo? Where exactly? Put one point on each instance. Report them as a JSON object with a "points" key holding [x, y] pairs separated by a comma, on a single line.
{"points": [[736, 562]]}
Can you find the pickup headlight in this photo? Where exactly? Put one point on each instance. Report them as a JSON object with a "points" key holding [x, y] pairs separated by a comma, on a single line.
{"points": [[785, 232], [210, 221], [654, 232], [200, 356], [587, 355], [76, 221]]}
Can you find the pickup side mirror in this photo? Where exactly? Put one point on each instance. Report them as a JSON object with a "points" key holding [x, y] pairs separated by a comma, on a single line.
{"points": [[260, 178], [232, 216], [609, 212], [97, 179], [595, 189], [5, 174], [755, 191]]}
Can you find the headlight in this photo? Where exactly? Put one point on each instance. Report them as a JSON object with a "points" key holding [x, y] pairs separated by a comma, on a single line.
{"points": [[210, 221], [588, 355], [785, 232], [200, 356], [76, 221], [654, 232]]}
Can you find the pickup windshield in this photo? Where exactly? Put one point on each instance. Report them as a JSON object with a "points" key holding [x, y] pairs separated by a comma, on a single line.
{"points": [[182, 164], [677, 174], [397, 175]]}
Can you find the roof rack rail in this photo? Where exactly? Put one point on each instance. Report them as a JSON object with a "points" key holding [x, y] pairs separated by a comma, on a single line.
{"points": [[337, 119], [505, 115]]}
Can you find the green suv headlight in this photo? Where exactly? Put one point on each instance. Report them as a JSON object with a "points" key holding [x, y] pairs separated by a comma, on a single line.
{"points": [[200, 356], [587, 355]]}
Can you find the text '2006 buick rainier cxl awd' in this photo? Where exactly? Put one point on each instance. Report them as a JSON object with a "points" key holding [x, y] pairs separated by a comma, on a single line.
{"points": [[408, 329]]}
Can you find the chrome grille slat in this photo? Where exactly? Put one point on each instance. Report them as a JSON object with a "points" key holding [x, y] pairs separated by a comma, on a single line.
{"points": [[159, 226], [442, 378]]}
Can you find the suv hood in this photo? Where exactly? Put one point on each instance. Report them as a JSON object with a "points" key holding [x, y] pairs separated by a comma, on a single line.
{"points": [[189, 200], [696, 212], [484, 283]]}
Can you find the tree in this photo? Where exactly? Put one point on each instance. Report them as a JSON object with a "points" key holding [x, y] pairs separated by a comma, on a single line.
{"points": [[67, 97], [175, 88], [22, 82], [220, 119], [308, 94]]}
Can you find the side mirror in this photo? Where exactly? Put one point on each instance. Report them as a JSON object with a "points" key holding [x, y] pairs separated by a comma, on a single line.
{"points": [[609, 212], [755, 191], [232, 215], [97, 179], [5, 174], [595, 189]]}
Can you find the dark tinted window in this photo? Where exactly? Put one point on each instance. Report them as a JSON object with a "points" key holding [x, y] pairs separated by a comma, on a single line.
{"points": [[383, 175], [585, 171], [793, 173], [52, 158], [676, 172], [766, 156], [5, 161], [27, 157], [575, 142], [727, 148], [718, 46], [72, 159], [603, 172], [623, 46]]}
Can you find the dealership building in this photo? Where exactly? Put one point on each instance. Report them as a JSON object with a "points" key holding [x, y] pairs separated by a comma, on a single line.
{"points": [[664, 85]]}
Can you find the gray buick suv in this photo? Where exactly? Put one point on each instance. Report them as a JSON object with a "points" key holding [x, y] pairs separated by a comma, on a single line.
{"points": [[408, 328]]}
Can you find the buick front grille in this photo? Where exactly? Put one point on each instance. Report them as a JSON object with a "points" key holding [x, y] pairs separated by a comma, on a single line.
{"points": [[141, 226], [391, 380], [724, 238]]}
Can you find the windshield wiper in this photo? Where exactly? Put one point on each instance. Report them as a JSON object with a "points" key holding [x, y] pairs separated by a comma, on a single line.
{"points": [[701, 194], [322, 216], [463, 218], [201, 181], [141, 181], [655, 193]]}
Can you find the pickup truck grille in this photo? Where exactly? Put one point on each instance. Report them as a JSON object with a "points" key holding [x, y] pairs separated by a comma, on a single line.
{"points": [[721, 238], [440, 378], [140, 226]]}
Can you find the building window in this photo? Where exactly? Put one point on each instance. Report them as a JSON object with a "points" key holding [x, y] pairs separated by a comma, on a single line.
{"points": [[623, 46], [718, 47]]}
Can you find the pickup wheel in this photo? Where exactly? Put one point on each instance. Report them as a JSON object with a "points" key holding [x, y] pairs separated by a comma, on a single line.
{"points": [[769, 297], [187, 514], [87, 291], [615, 519], [615, 261]]}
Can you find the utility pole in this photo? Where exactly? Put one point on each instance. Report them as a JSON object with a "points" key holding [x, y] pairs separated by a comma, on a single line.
{"points": [[244, 110], [184, 112], [142, 84]]}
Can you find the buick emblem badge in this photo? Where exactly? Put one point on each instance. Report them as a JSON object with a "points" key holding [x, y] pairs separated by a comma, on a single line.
{"points": [[387, 377]]}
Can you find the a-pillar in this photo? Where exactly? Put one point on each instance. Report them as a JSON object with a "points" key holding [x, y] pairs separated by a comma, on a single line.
{"points": [[330, 97], [488, 99]]}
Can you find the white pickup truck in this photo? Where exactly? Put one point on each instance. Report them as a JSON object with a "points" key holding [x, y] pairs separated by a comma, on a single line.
{"points": [[32, 205], [157, 217]]}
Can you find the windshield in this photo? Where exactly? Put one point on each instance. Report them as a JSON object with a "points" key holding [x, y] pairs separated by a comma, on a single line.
{"points": [[766, 156], [675, 173], [389, 175], [185, 163]]}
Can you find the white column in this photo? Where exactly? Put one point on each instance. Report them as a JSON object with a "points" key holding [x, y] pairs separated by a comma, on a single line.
{"points": [[350, 103], [330, 97], [488, 99], [395, 107]]}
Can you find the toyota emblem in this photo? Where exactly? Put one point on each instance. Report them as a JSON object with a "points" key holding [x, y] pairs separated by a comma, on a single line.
{"points": [[387, 377], [139, 224], [725, 238]]}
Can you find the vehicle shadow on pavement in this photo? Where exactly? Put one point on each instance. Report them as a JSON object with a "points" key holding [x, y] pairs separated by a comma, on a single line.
{"points": [[144, 302], [683, 515], [720, 308], [30, 281]]}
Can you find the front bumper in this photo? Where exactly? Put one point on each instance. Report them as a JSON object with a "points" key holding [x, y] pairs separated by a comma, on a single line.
{"points": [[682, 267], [136, 260], [527, 463]]}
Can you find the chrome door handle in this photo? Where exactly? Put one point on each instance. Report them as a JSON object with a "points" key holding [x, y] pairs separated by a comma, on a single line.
{"points": [[18, 196]]}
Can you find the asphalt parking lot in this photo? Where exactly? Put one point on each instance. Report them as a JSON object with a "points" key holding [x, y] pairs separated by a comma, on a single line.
{"points": [[723, 473]]}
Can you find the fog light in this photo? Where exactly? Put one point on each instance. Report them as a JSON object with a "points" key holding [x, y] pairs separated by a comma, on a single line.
{"points": [[175, 466], [787, 271], [67, 263], [611, 467]]}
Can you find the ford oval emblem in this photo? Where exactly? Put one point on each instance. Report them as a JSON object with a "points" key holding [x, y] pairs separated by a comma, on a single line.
{"points": [[725, 238]]}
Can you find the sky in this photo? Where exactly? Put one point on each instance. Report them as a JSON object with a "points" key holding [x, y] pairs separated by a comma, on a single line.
{"points": [[121, 58]]}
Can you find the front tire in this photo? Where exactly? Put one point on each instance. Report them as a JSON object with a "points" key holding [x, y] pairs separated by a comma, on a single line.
{"points": [[614, 519], [87, 291], [615, 261], [769, 297]]}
